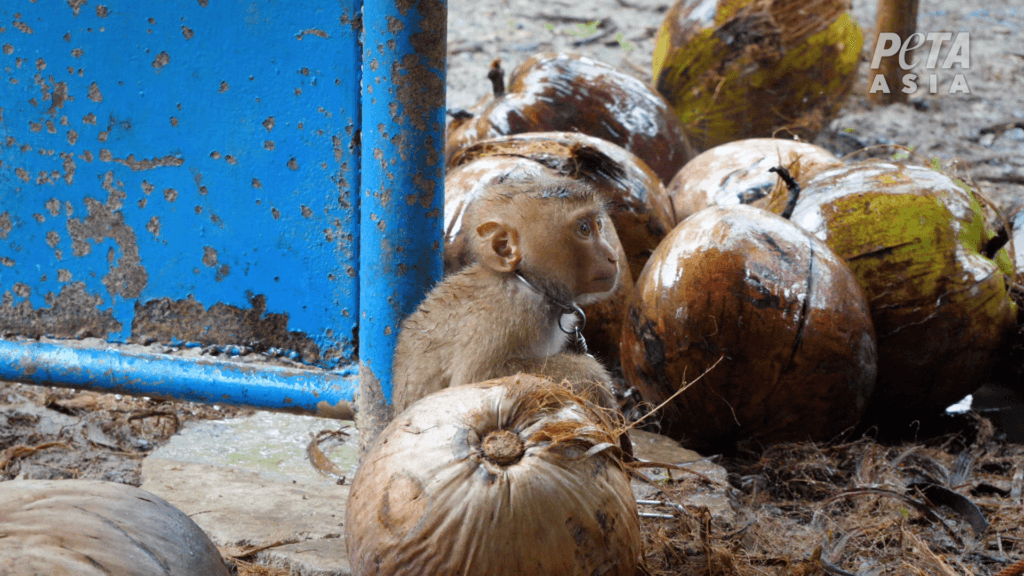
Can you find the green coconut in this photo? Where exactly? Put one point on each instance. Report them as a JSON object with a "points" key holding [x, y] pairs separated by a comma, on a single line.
{"points": [[918, 243], [752, 68]]}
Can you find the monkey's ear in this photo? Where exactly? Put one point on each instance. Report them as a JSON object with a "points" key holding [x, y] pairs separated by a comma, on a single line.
{"points": [[499, 246]]}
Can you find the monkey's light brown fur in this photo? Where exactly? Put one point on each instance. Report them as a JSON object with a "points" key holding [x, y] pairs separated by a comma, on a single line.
{"points": [[484, 321]]}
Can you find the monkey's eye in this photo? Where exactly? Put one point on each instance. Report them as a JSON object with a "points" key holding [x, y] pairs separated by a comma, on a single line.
{"points": [[584, 228]]}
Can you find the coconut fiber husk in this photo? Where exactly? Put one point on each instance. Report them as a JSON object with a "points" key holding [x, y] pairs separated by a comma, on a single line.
{"points": [[949, 505]]}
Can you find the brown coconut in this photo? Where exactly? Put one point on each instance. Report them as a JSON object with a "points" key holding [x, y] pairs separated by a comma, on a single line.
{"points": [[737, 173], [780, 314], [94, 528], [916, 240], [752, 68], [637, 202], [507, 477], [575, 93]]}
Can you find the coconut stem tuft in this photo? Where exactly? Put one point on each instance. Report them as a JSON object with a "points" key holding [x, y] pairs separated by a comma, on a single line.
{"points": [[497, 77], [503, 447]]}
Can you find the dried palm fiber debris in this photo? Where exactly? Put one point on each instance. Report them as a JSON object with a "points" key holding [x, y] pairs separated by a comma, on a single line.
{"points": [[857, 507]]}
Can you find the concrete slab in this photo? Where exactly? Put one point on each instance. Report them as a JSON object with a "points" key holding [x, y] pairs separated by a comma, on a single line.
{"points": [[249, 482]]}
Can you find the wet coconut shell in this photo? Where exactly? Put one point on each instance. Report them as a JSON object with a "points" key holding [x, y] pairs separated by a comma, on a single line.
{"points": [[638, 203], [574, 93], [749, 68], [737, 173], [786, 314], [507, 477], [940, 308], [94, 528]]}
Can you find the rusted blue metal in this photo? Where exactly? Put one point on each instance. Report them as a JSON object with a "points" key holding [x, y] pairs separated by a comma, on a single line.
{"points": [[162, 376], [403, 175], [182, 170]]}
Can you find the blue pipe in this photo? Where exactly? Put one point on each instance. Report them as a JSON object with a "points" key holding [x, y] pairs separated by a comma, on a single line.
{"points": [[402, 204], [318, 393]]}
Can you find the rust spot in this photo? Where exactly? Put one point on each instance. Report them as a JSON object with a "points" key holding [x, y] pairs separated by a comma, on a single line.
{"points": [[147, 188], [187, 32], [304, 71], [102, 136], [147, 164], [222, 273], [312, 32], [58, 97], [256, 183], [203, 3], [74, 313], [5, 224], [21, 290], [90, 118], [127, 277], [95, 96], [170, 194], [223, 86], [165, 319], [23, 174], [63, 275], [174, 121], [40, 64], [153, 226], [293, 164], [268, 144], [102, 11], [269, 123], [143, 201], [215, 155], [76, 5], [53, 206], [87, 156], [5, 261], [209, 256], [72, 137], [51, 127], [69, 168], [276, 213], [162, 59], [77, 52], [105, 155], [22, 27], [306, 212], [8, 49]]}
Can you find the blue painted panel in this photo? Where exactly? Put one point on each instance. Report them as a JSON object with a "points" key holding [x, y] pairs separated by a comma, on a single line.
{"points": [[181, 170]]}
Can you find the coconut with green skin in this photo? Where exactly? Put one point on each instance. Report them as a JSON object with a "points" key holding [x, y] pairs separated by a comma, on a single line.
{"points": [[752, 68], [917, 241]]}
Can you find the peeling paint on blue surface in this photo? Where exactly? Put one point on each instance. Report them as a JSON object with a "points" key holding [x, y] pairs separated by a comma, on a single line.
{"points": [[182, 168], [403, 174]]}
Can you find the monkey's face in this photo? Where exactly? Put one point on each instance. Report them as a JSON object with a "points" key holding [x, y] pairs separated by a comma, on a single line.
{"points": [[575, 252]]}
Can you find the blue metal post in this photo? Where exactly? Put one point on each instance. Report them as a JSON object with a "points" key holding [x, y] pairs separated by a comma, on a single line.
{"points": [[403, 179]]}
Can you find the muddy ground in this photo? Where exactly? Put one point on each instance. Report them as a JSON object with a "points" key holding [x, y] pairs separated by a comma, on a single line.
{"points": [[805, 494]]}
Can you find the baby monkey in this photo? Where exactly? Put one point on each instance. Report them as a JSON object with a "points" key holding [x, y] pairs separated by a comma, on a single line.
{"points": [[541, 249]]}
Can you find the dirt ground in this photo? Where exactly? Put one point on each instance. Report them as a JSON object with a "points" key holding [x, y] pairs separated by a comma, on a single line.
{"points": [[851, 507]]}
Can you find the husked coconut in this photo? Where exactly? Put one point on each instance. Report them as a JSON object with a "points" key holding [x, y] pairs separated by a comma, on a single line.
{"points": [[737, 173], [94, 528], [507, 477], [775, 319], [574, 93]]}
